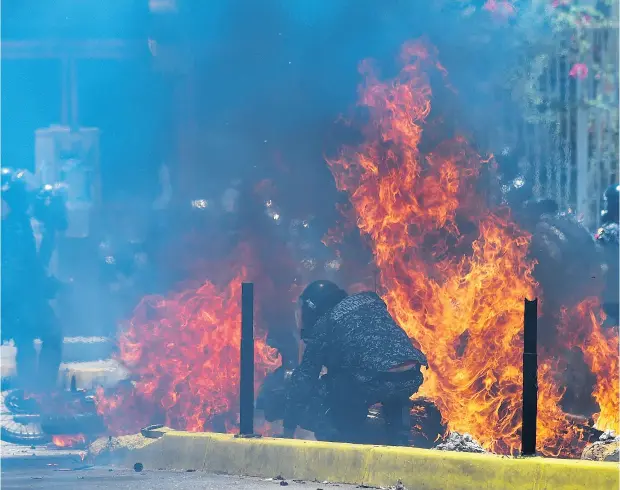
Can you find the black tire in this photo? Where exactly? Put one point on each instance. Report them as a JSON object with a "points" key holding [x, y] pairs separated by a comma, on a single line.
{"points": [[15, 432], [16, 425]]}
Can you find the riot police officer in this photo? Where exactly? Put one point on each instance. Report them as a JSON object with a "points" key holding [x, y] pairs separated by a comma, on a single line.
{"points": [[369, 360], [26, 286], [607, 238]]}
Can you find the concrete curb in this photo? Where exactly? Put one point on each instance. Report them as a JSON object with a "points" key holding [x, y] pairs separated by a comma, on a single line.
{"points": [[377, 466]]}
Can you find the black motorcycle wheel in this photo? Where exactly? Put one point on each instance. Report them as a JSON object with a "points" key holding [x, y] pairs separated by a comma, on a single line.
{"points": [[15, 432], [17, 426]]}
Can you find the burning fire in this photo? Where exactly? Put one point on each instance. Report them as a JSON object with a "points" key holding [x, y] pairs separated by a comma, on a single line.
{"points": [[458, 292], [69, 441], [580, 329], [183, 355], [453, 272]]}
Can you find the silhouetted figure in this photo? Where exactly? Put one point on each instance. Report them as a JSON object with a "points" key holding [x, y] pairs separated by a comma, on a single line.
{"points": [[607, 238], [369, 360], [26, 286]]}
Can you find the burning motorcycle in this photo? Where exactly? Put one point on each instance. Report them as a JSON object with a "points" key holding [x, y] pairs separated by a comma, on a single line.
{"points": [[29, 419]]}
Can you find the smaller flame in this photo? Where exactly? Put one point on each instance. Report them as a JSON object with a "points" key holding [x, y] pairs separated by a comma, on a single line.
{"points": [[69, 441]]}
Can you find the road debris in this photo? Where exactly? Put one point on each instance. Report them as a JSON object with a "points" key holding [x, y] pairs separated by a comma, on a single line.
{"points": [[607, 448], [463, 443]]}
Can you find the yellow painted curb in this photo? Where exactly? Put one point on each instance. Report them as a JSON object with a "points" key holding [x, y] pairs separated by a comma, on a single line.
{"points": [[418, 469]]}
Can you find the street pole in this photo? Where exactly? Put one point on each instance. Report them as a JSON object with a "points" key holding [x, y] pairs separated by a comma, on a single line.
{"points": [[530, 378], [246, 383]]}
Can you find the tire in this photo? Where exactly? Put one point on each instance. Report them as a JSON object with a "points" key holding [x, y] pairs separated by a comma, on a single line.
{"points": [[15, 428], [23, 434]]}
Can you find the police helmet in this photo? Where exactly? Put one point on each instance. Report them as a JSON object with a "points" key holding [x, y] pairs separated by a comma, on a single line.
{"points": [[316, 300]]}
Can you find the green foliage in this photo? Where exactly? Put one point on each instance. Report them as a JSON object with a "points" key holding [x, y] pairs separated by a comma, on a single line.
{"points": [[579, 35]]}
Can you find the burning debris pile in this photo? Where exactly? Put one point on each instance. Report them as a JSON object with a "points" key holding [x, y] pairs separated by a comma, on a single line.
{"points": [[183, 355]]}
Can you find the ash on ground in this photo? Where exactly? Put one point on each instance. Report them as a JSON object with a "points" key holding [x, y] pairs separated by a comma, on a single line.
{"points": [[607, 448], [462, 443]]}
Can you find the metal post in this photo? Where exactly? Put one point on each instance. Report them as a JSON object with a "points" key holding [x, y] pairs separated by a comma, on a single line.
{"points": [[530, 378], [246, 384]]}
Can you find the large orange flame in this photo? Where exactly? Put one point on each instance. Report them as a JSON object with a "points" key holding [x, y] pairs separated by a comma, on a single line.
{"points": [[183, 354], [458, 293]]}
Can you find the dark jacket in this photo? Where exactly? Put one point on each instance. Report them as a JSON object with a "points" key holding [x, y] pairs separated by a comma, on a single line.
{"points": [[357, 336], [607, 238], [22, 272]]}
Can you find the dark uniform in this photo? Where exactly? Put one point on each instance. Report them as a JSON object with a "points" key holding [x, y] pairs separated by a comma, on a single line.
{"points": [[369, 360], [567, 262], [26, 286], [607, 237]]}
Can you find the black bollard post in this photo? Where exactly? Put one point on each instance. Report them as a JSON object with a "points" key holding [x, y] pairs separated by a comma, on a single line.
{"points": [[530, 378], [246, 382]]}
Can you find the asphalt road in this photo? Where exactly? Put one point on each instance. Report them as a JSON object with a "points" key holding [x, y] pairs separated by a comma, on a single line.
{"points": [[90, 478], [50, 469]]}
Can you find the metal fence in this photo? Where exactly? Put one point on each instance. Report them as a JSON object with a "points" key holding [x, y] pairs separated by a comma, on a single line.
{"points": [[571, 155]]}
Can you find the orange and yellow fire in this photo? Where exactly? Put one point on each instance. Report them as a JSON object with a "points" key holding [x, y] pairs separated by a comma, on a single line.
{"points": [[465, 309], [69, 441], [581, 329], [183, 355], [453, 272]]}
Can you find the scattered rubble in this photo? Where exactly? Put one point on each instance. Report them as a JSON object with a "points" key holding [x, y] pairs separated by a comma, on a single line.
{"points": [[607, 448], [108, 450], [399, 486], [463, 443]]}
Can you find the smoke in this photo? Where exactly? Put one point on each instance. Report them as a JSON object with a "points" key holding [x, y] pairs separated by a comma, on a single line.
{"points": [[278, 74], [269, 82], [261, 94]]}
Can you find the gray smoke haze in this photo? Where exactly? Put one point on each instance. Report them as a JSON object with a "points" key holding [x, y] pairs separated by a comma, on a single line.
{"points": [[276, 75], [271, 81]]}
